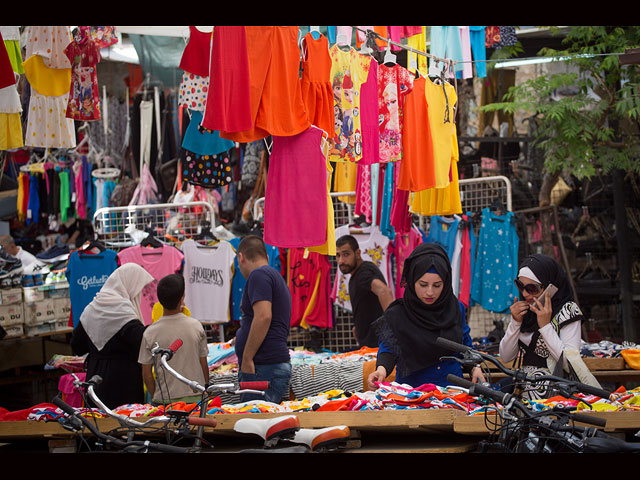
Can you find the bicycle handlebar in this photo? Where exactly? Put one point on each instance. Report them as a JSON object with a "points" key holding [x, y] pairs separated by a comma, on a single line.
{"points": [[160, 447], [476, 389], [476, 355]]}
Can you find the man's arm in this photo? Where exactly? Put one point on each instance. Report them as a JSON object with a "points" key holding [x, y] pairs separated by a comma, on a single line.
{"points": [[383, 292], [149, 381], [259, 328]]}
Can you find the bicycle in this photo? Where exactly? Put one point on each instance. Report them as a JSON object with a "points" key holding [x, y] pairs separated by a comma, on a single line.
{"points": [[273, 431], [176, 425], [524, 430]]}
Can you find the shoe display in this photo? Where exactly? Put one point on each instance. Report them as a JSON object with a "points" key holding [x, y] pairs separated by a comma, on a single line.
{"points": [[28, 281], [54, 254], [37, 268]]}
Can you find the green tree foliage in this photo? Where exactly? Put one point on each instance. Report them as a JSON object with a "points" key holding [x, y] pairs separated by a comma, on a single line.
{"points": [[596, 127]]}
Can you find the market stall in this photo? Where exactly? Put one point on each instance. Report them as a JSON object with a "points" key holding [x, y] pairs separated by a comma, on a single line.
{"points": [[135, 145]]}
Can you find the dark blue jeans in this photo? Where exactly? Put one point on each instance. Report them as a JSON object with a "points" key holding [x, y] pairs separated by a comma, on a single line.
{"points": [[277, 374]]}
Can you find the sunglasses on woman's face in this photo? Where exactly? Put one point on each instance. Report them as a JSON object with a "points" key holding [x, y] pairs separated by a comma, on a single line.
{"points": [[530, 288]]}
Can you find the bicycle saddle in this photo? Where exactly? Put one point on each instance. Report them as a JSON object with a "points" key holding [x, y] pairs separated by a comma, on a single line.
{"points": [[270, 429], [322, 438]]}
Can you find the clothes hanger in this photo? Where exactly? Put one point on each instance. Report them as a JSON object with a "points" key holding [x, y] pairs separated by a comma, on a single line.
{"points": [[315, 32], [151, 241], [206, 233], [389, 57]]}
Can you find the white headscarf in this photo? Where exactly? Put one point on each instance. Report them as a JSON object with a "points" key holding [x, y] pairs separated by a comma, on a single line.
{"points": [[528, 273], [117, 303]]}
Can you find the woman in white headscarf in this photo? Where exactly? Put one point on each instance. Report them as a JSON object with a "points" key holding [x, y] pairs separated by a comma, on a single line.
{"points": [[110, 331]]}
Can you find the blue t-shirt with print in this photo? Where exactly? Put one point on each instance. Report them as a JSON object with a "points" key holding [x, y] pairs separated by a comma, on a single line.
{"points": [[86, 274]]}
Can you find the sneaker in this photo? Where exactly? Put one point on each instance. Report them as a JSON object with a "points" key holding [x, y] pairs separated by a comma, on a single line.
{"points": [[36, 268], [37, 279], [9, 269], [54, 254], [28, 281], [16, 281], [6, 258], [6, 282]]}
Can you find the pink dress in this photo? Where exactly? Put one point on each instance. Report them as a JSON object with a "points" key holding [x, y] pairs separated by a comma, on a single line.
{"points": [[295, 205]]}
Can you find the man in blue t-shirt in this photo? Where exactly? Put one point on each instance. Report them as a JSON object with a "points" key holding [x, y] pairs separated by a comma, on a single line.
{"points": [[261, 341]]}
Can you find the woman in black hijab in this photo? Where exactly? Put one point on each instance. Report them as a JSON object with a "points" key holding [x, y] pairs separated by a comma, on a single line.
{"points": [[408, 329], [543, 330]]}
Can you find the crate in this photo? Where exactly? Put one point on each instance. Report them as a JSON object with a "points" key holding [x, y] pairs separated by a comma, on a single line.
{"points": [[61, 307], [11, 295], [11, 315], [38, 312], [46, 326], [14, 331], [33, 294]]}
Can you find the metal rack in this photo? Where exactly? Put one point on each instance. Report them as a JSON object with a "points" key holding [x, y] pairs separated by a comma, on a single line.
{"points": [[170, 223]]}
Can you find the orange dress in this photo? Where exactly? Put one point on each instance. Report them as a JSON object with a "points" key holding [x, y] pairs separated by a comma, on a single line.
{"points": [[316, 82], [416, 169], [275, 87]]}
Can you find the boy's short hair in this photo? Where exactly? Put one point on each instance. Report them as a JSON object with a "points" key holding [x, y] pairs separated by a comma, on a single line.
{"points": [[252, 247], [348, 240], [170, 290]]}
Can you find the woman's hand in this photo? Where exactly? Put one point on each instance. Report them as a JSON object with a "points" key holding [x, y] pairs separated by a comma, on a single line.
{"points": [[376, 376], [477, 376], [543, 312], [518, 309]]}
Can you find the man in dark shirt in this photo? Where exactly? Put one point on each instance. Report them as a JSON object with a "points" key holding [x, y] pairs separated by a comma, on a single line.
{"points": [[368, 291], [261, 340]]}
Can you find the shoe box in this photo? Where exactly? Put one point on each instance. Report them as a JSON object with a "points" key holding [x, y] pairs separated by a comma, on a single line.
{"points": [[34, 310]]}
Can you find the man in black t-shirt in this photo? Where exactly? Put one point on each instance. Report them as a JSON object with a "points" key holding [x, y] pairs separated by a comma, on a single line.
{"points": [[368, 291]]}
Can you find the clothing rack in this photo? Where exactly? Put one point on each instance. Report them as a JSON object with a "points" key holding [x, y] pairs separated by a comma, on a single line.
{"points": [[449, 62]]}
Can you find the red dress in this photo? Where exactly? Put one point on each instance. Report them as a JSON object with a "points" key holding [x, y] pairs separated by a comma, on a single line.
{"points": [[228, 102]]}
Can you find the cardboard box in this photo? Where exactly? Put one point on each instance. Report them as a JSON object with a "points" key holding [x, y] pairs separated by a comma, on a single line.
{"points": [[11, 295], [38, 312], [33, 294], [11, 314], [58, 291], [14, 330], [61, 307]]}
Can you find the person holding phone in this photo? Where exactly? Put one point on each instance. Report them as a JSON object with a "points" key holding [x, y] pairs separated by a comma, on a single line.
{"points": [[545, 321]]}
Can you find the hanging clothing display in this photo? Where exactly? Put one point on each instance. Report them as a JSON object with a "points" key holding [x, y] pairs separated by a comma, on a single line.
{"points": [[86, 274], [374, 247], [48, 71], [207, 274], [196, 57], [159, 262], [496, 264], [276, 106], [369, 117], [10, 106], [103, 36], [11, 39], [296, 191], [309, 278], [316, 82], [394, 83], [402, 247], [467, 259], [200, 141], [349, 71], [417, 169], [228, 105], [84, 96]]}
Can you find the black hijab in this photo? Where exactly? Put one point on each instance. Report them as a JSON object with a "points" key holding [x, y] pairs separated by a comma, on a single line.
{"points": [[409, 326], [548, 270]]}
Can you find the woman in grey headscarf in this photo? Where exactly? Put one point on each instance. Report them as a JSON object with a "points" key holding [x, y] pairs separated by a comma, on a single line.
{"points": [[110, 331]]}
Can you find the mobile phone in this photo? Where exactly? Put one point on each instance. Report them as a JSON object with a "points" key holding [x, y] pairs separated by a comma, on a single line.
{"points": [[551, 290]]}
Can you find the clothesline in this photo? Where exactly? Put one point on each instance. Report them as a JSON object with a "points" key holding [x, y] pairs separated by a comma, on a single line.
{"points": [[406, 47]]}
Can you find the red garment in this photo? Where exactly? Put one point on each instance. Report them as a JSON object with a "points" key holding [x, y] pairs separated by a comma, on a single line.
{"points": [[196, 54], [403, 245], [417, 171], [277, 106], [7, 76], [19, 415], [229, 101], [316, 82], [308, 279]]}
